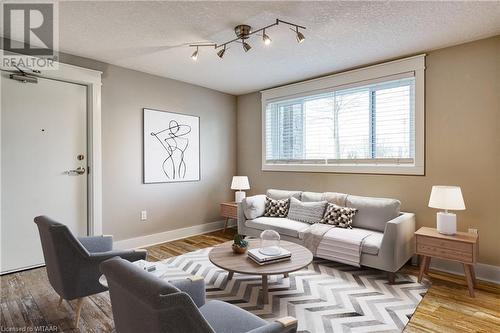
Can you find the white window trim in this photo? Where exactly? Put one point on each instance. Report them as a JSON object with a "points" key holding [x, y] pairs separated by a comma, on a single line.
{"points": [[414, 64]]}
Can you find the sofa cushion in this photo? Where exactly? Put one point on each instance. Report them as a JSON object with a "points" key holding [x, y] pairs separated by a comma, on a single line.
{"points": [[276, 208], [335, 197], [312, 196], [283, 194], [332, 197], [254, 206], [309, 212], [281, 225], [371, 244], [373, 213], [339, 216]]}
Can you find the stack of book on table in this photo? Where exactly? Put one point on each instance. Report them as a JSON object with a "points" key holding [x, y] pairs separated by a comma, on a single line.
{"points": [[263, 259]]}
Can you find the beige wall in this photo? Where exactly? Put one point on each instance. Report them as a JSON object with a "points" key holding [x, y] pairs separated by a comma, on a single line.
{"points": [[170, 205], [462, 145]]}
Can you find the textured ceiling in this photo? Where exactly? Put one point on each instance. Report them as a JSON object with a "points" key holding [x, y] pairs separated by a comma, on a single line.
{"points": [[152, 36]]}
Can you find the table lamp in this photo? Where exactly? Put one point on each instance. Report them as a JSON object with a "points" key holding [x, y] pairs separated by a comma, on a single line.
{"points": [[240, 183], [446, 197]]}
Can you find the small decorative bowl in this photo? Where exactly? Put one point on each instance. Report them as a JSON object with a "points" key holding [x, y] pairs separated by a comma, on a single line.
{"points": [[238, 249]]}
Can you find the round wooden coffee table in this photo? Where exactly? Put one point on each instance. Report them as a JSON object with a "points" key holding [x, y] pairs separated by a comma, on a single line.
{"points": [[223, 256]]}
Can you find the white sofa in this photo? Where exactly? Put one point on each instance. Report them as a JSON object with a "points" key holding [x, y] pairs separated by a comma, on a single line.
{"points": [[388, 248]]}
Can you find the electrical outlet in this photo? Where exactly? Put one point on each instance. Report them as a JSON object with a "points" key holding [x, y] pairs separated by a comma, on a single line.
{"points": [[144, 215], [473, 230]]}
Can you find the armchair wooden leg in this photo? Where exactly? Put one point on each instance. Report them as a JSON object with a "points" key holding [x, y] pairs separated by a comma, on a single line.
{"points": [[60, 302], [391, 277], [79, 303]]}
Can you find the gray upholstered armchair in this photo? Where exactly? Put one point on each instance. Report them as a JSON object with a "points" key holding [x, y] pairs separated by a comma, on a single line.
{"points": [[141, 302], [73, 263]]}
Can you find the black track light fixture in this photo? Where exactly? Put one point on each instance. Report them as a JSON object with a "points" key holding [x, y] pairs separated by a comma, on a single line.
{"points": [[244, 32]]}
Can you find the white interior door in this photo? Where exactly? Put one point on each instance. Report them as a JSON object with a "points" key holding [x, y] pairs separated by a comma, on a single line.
{"points": [[43, 138]]}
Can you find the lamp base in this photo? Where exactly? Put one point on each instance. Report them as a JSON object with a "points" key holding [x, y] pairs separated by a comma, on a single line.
{"points": [[239, 196], [446, 223]]}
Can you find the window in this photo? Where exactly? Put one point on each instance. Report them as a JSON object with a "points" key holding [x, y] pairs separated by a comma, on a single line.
{"points": [[374, 125]]}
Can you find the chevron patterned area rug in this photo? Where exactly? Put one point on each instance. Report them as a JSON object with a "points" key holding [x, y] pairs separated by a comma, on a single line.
{"points": [[324, 297]]}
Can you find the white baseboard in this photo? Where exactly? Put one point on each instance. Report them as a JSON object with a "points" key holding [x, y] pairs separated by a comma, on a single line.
{"points": [[483, 271], [167, 236], [22, 269]]}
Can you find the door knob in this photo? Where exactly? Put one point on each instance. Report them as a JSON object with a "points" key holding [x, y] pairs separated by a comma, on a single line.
{"points": [[78, 171]]}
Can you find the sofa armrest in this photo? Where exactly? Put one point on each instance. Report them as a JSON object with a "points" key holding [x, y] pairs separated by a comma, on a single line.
{"points": [[194, 286], [97, 243], [241, 218], [398, 243], [282, 325], [129, 255]]}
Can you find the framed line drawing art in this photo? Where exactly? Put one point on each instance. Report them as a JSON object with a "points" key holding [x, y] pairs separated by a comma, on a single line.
{"points": [[171, 147]]}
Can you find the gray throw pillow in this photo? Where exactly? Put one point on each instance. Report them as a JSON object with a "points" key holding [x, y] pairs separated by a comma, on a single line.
{"points": [[339, 216], [276, 208], [309, 212]]}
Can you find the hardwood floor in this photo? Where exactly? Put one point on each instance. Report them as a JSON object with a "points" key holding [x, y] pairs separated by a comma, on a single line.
{"points": [[447, 307], [28, 300]]}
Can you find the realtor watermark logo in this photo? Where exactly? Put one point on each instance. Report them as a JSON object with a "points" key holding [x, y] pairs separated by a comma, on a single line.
{"points": [[30, 35]]}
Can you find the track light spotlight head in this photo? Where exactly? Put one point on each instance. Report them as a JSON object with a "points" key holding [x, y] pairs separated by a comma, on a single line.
{"points": [[265, 38], [300, 36], [194, 56], [246, 46], [221, 52]]}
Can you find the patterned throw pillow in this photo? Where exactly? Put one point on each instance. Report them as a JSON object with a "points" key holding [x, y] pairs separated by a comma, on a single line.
{"points": [[276, 208], [339, 216], [309, 212]]}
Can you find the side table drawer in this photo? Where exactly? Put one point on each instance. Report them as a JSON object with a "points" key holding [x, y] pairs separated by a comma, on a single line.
{"points": [[229, 211], [434, 251], [446, 244]]}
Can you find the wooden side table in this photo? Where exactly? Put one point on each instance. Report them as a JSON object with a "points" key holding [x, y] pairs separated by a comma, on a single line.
{"points": [[461, 247], [229, 210]]}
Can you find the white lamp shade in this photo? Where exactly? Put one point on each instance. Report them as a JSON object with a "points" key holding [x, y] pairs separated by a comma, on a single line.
{"points": [[240, 183], [447, 197]]}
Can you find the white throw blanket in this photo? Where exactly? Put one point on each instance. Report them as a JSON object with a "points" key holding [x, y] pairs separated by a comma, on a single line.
{"points": [[337, 244], [313, 235]]}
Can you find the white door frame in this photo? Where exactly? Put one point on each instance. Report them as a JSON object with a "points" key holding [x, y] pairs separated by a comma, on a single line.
{"points": [[92, 80]]}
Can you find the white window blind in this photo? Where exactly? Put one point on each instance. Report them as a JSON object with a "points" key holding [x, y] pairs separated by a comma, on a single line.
{"points": [[371, 123]]}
